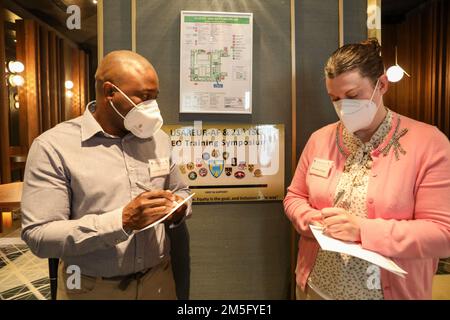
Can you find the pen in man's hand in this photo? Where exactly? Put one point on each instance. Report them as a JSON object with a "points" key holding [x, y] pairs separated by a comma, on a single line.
{"points": [[146, 188], [143, 186]]}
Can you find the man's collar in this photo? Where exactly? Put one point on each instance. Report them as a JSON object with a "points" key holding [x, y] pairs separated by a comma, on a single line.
{"points": [[89, 126]]}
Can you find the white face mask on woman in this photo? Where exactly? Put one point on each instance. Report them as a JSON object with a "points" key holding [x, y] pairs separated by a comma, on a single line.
{"points": [[143, 120], [356, 114]]}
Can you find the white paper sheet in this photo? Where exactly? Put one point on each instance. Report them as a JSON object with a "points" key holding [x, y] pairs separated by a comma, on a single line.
{"points": [[167, 215], [355, 250]]}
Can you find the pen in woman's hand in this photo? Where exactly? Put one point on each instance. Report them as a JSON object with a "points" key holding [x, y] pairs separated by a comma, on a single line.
{"points": [[336, 202], [338, 198]]}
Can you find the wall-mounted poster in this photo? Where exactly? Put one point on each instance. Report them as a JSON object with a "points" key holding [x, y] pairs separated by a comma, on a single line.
{"points": [[216, 62], [230, 162]]}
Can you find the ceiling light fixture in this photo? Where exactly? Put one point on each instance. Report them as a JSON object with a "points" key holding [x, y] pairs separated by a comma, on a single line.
{"points": [[395, 73]]}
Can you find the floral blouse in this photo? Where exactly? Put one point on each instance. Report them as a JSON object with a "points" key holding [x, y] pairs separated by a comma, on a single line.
{"points": [[340, 276]]}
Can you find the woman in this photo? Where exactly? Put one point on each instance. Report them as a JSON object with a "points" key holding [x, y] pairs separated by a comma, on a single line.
{"points": [[376, 178]]}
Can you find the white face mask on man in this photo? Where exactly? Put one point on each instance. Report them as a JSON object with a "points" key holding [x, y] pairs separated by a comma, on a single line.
{"points": [[356, 114], [143, 120]]}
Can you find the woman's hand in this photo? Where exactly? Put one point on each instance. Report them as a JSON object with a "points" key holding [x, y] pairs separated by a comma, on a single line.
{"points": [[316, 219], [341, 225]]}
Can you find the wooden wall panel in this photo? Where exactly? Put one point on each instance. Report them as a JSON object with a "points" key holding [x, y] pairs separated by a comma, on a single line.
{"points": [[87, 79], [53, 79], [66, 70], [447, 83], [49, 61], [27, 36], [59, 80], [5, 174], [44, 79], [82, 82], [75, 107], [423, 42]]}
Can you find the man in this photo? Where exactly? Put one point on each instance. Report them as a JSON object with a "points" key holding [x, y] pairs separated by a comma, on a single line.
{"points": [[92, 182]]}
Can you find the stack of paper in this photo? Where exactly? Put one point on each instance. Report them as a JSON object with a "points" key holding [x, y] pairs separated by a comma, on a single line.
{"points": [[353, 249]]}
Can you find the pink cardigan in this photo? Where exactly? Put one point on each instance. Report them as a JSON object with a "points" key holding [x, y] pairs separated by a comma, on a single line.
{"points": [[408, 204]]}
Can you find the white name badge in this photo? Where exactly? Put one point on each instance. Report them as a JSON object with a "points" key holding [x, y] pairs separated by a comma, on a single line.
{"points": [[321, 167], [159, 167]]}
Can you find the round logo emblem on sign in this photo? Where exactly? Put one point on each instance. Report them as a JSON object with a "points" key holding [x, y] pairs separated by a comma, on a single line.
{"points": [[205, 156], [239, 175], [203, 172], [190, 166], [192, 175]]}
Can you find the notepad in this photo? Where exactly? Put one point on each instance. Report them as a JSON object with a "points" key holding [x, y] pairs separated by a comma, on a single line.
{"points": [[167, 215], [354, 249]]}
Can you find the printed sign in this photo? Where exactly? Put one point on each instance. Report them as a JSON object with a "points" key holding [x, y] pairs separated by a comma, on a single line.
{"points": [[226, 162]]}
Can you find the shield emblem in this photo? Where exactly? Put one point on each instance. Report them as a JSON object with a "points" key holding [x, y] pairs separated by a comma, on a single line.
{"points": [[216, 167]]}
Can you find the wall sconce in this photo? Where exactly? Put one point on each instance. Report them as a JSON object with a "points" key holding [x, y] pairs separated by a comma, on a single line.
{"points": [[16, 101], [16, 66], [395, 73], [68, 85], [15, 79]]}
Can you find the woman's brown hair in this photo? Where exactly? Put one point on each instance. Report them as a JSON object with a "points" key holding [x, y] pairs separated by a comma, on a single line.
{"points": [[364, 57]]}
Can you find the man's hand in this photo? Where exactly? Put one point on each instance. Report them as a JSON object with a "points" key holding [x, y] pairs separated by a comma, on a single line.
{"points": [[146, 208], [179, 213], [341, 225]]}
